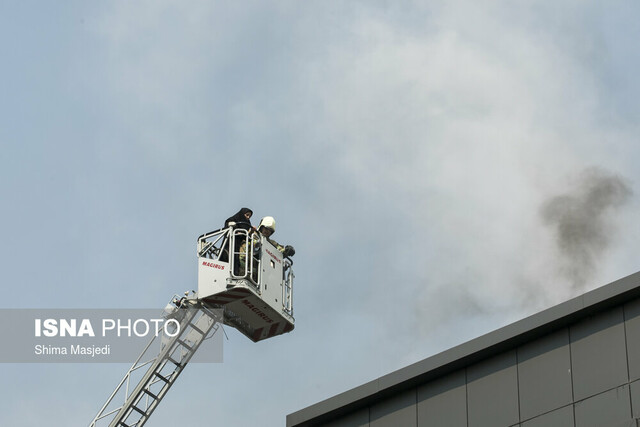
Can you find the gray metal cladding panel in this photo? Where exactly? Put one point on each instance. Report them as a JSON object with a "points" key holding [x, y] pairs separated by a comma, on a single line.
{"points": [[356, 419], [443, 402], [544, 374], [399, 410], [492, 392], [598, 353], [562, 417], [632, 320], [635, 399], [611, 408]]}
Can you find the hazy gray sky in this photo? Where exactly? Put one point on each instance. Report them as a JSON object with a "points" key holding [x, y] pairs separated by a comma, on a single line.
{"points": [[426, 159]]}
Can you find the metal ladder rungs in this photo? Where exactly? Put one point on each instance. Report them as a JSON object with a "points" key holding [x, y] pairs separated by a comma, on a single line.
{"points": [[175, 362], [123, 424], [153, 396], [196, 328], [138, 410], [185, 345], [166, 380]]}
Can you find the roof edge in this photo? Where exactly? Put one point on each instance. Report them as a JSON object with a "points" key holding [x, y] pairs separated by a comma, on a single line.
{"points": [[482, 347]]}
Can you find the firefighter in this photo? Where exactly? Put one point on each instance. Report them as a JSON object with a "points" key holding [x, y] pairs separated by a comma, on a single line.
{"points": [[267, 227]]}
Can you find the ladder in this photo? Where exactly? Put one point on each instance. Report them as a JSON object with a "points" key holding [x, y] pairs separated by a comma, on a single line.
{"points": [[197, 323]]}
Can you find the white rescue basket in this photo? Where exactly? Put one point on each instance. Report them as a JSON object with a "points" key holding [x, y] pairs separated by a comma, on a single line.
{"points": [[241, 272]]}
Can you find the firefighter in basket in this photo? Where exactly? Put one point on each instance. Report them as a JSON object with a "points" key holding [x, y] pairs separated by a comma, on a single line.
{"points": [[266, 228]]}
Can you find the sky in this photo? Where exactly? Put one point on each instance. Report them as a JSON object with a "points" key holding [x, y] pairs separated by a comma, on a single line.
{"points": [[443, 168]]}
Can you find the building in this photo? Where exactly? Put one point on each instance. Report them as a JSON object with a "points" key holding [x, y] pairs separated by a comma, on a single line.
{"points": [[575, 364]]}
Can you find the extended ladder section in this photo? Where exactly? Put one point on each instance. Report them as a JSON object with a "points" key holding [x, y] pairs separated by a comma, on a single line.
{"points": [[197, 323]]}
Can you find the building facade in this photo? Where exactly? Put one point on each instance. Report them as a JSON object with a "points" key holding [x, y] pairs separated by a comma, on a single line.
{"points": [[576, 364]]}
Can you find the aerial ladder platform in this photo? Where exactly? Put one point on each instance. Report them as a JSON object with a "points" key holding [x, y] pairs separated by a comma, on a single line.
{"points": [[243, 281]]}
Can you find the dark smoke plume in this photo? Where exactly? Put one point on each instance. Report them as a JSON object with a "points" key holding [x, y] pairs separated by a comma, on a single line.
{"points": [[583, 223]]}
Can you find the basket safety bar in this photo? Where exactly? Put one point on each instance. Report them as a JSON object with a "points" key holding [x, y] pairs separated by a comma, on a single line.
{"points": [[213, 243], [287, 289], [244, 262]]}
